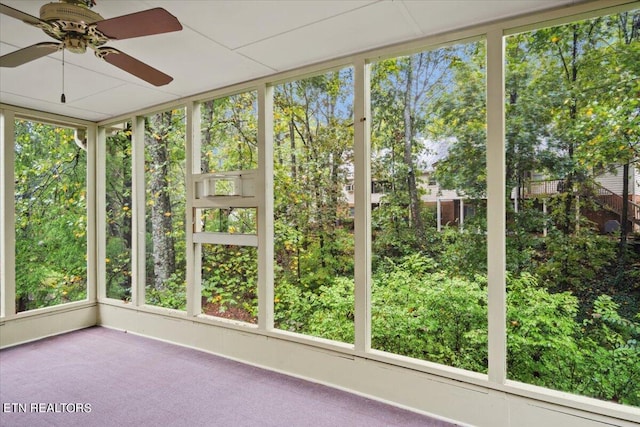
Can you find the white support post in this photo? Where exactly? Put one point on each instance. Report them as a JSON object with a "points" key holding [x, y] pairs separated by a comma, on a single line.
{"points": [[194, 250], [362, 199], [544, 211], [439, 213], [138, 256], [92, 213], [101, 210], [265, 207], [7, 215], [496, 208], [461, 215]]}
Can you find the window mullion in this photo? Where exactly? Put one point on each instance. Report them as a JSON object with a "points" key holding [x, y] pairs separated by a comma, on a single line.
{"points": [[265, 208], [7, 215], [496, 210], [138, 223], [362, 198]]}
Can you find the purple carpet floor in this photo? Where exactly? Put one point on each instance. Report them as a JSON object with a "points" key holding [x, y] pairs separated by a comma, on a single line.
{"points": [[102, 377]]}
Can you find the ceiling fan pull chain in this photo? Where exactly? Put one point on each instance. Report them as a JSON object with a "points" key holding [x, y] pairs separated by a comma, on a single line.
{"points": [[63, 99]]}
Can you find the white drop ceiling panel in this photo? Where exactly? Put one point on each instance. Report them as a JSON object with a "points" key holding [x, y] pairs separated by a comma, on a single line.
{"points": [[224, 42]]}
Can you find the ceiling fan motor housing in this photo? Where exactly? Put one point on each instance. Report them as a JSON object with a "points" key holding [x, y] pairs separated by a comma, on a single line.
{"points": [[70, 24], [68, 12]]}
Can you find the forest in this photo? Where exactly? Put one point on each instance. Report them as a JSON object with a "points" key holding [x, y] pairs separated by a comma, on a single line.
{"points": [[573, 291]]}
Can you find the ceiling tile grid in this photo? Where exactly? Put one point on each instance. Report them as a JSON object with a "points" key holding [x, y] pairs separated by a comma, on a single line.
{"points": [[223, 42]]}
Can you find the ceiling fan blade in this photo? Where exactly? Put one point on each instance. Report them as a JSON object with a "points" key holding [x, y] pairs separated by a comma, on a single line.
{"points": [[28, 54], [15, 13], [133, 66], [145, 23]]}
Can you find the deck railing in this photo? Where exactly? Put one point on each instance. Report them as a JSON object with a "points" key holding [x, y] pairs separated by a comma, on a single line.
{"points": [[613, 202], [602, 195]]}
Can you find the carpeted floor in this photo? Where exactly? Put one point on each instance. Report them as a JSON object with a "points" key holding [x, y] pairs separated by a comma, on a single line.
{"points": [[102, 377]]}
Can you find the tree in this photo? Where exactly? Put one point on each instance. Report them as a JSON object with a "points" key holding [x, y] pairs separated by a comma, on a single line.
{"points": [[118, 181], [161, 226], [314, 145], [50, 215], [612, 119], [404, 91], [229, 133], [462, 119], [313, 134]]}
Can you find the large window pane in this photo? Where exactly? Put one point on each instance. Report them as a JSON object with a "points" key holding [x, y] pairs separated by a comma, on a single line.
{"points": [[229, 282], [572, 150], [429, 293], [51, 216], [229, 133], [118, 212], [229, 271], [313, 228], [165, 209]]}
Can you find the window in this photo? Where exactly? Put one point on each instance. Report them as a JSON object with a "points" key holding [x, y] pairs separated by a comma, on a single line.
{"points": [[118, 212], [229, 263], [572, 122], [50, 215], [225, 231], [429, 294], [165, 209], [313, 146], [229, 133]]}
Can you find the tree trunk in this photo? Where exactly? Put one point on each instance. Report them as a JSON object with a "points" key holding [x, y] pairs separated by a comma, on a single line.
{"points": [[207, 136], [161, 221], [414, 198]]}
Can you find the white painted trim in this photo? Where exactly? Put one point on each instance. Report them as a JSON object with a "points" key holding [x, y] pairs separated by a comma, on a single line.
{"points": [[226, 238], [415, 384], [101, 212], [138, 200], [7, 215], [264, 190], [194, 251], [581, 8], [92, 194], [496, 209], [362, 198], [47, 118], [34, 325]]}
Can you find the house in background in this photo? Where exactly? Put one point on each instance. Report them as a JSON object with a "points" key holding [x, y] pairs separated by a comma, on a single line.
{"points": [[606, 194], [231, 47], [452, 206], [449, 205]]}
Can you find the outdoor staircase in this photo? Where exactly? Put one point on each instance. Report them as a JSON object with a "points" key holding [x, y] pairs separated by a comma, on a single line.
{"points": [[604, 197], [613, 202]]}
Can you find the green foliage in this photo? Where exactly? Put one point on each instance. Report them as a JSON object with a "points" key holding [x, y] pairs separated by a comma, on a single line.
{"points": [[572, 322], [229, 278], [541, 326], [313, 133], [326, 312], [430, 315], [613, 353], [172, 295], [118, 214], [50, 215], [464, 253], [575, 262], [229, 133]]}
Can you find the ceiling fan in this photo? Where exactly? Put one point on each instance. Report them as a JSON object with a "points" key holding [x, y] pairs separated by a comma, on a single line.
{"points": [[77, 27]]}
